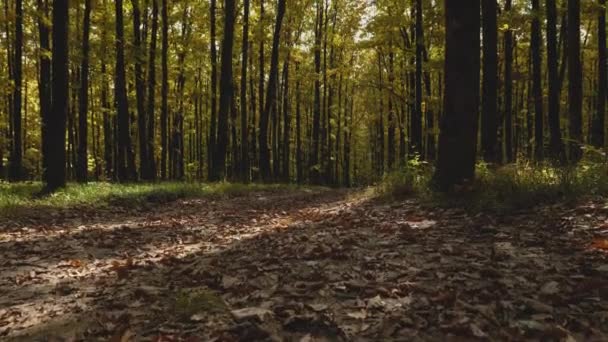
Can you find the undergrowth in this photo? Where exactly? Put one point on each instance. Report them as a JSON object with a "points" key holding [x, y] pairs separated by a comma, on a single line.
{"points": [[502, 189], [22, 198]]}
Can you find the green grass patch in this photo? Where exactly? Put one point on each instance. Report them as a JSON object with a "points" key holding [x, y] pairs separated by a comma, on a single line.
{"points": [[502, 189], [19, 199]]}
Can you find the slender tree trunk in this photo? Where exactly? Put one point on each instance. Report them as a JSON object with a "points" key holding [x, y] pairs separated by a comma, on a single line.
{"points": [[536, 43], [164, 110], [392, 151], [125, 164], [83, 157], [271, 95], [56, 124], [575, 83], [457, 141], [555, 145], [219, 160], [44, 85], [599, 119], [299, 161], [213, 119], [140, 95], [150, 117], [286, 121], [316, 120], [489, 117], [508, 110], [416, 121], [16, 156], [244, 168]]}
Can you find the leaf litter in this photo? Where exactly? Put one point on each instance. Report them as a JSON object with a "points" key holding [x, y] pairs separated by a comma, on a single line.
{"points": [[322, 265]]}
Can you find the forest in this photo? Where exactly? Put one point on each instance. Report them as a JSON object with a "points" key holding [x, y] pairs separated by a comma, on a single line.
{"points": [[303, 170]]}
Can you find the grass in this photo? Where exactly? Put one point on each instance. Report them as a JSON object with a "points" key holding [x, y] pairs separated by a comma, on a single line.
{"points": [[21, 198], [502, 189]]}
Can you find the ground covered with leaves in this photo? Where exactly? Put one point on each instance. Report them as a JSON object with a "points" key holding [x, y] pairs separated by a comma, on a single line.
{"points": [[304, 265]]}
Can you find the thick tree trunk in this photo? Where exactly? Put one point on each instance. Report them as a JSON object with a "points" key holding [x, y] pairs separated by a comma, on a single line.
{"points": [[125, 164], [219, 159], [489, 117], [508, 110], [271, 95], [83, 109], [458, 138], [575, 84], [56, 123]]}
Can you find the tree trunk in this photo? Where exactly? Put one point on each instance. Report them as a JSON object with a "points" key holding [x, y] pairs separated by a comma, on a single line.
{"points": [[314, 167], [244, 167], [599, 119], [56, 123], [508, 114], [150, 174], [125, 164], [271, 95], [556, 147], [536, 43], [44, 85], [416, 121], [219, 159], [458, 138], [144, 163], [83, 157], [489, 117], [213, 118], [164, 110], [16, 156], [575, 84]]}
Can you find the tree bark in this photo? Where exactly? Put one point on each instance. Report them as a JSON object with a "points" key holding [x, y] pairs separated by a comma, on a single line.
{"points": [[213, 117], [537, 81], [244, 167], [508, 114], [164, 110], [16, 156], [575, 84], [140, 95], [489, 117], [599, 119], [556, 147], [458, 138], [83, 109], [150, 174]]}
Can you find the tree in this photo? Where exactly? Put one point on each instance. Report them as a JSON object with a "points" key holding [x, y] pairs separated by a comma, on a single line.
{"points": [[575, 81], [150, 174], [125, 164], [226, 89], [416, 123], [457, 140], [599, 118], [508, 95], [536, 42], [489, 118], [56, 123], [555, 144], [164, 107], [16, 156], [44, 82], [140, 95], [271, 95], [83, 109], [244, 168]]}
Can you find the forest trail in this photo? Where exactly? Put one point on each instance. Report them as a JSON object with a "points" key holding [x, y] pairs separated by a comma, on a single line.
{"points": [[309, 265]]}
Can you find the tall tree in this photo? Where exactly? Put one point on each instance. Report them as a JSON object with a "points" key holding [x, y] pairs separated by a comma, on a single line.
{"points": [[599, 119], [244, 168], [316, 120], [16, 156], [416, 120], [536, 43], [164, 110], [457, 141], [44, 82], [56, 123], [489, 117], [213, 118], [125, 164], [150, 174], [555, 143], [83, 97], [271, 94], [140, 95], [226, 90], [575, 81], [508, 107]]}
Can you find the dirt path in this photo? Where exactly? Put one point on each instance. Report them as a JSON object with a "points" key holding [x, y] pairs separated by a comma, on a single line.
{"points": [[305, 266]]}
